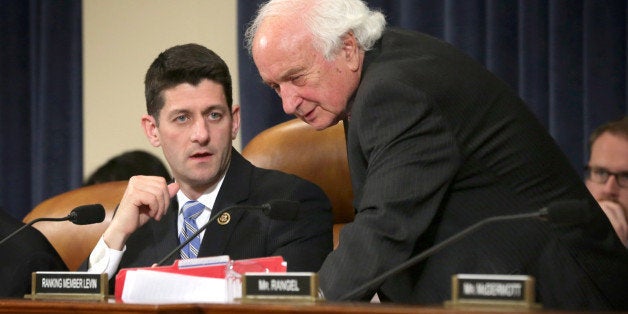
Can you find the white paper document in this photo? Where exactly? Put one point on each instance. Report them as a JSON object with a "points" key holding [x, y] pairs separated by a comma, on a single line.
{"points": [[145, 286]]}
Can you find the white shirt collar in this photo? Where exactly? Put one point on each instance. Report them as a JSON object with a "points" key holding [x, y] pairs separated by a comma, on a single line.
{"points": [[208, 198]]}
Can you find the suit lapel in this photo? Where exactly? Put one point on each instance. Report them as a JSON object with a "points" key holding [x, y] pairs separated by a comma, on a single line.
{"points": [[234, 191], [165, 234]]}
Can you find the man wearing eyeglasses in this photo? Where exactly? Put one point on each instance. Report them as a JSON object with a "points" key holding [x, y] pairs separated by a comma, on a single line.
{"points": [[607, 173]]}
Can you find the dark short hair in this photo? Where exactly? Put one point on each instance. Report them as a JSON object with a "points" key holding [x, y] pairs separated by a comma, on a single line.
{"points": [[189, 63], [126, 165], [616, 127]]}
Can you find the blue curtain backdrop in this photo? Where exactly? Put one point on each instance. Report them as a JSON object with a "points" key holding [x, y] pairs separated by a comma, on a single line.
{"points": [[41, 143], [567, 59]]}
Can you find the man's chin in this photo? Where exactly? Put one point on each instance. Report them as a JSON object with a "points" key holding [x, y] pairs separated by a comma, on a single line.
{"points": [[321, 124], [200, 183]]}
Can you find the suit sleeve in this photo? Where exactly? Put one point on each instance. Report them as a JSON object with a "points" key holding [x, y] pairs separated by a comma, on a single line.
{"points": [[28, 252], [304, 243]]}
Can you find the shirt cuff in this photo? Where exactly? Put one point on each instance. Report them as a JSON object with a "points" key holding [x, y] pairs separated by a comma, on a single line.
{"points": [[104, 259]]}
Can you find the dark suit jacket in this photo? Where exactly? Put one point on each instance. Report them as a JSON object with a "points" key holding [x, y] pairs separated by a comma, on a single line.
{"points": [[303, 243], [435, 144], [26, 252]]}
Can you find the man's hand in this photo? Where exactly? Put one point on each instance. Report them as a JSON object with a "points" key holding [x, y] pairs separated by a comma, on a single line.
{"points": [[617, 215], [145, 197]]}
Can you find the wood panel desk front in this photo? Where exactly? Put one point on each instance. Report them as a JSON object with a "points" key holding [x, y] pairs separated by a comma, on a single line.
{"points": [[40, 306]]}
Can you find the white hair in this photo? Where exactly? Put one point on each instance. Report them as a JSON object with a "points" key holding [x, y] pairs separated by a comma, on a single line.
{"points": [[327, 20]]}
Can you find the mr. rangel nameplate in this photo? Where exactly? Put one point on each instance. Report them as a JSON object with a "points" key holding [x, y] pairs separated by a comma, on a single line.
{"points": [[292, 286], [69, 285]]}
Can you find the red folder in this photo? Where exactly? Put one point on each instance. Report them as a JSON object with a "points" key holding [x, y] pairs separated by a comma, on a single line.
{"points": [[212, 267]]}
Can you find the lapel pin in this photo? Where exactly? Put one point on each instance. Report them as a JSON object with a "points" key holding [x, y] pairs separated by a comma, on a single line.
{"points": [[224, 219]]}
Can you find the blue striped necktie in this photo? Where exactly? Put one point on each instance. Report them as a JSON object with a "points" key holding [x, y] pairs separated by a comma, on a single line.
{"points": [[191, 211]]}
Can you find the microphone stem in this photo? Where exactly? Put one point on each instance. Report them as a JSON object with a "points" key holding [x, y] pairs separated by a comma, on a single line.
{"points": [[432, 250], [28, 224], [195, 234]]}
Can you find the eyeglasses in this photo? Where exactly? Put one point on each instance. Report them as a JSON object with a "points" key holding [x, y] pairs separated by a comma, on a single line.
{"points": [[601, 175]]}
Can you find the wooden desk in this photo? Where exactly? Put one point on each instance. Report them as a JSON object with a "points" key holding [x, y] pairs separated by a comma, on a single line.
{"points": [[40, 306]]}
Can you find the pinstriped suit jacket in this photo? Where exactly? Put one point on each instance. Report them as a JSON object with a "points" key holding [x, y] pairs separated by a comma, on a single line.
{"points": [[303, 243], [435, 144]]}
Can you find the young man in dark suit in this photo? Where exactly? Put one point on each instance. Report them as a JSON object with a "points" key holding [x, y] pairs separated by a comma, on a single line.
{"points": [[191, 117], [435, 144]]}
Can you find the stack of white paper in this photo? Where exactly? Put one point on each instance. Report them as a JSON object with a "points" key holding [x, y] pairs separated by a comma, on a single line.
{"points": [[145, 286]]}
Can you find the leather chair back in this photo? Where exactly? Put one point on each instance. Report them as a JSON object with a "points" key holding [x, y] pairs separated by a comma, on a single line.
{"points": [[318, 156], [73, 242]]}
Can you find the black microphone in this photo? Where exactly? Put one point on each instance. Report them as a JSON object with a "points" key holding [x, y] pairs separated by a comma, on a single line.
{"points": [[274, 209], [559, 212], [87, 214], [82, 215], [567, 212]]}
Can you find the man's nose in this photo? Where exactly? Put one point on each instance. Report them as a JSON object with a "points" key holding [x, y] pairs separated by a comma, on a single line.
{"points": [[289, 100], [611, 187], [200, 131]]}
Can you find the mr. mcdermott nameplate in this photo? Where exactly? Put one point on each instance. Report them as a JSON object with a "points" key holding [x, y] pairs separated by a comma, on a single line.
{"points": [[69, 285], [301, 286], [479, 289]]}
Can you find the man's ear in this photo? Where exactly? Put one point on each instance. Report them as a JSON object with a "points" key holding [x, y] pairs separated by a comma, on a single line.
{"points": [[149, 124], [351, 51], [235, 117]]}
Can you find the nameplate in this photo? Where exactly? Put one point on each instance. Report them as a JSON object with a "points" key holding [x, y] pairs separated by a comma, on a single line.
{"points": [[280, 286], [68, 285], [479, 289]]}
